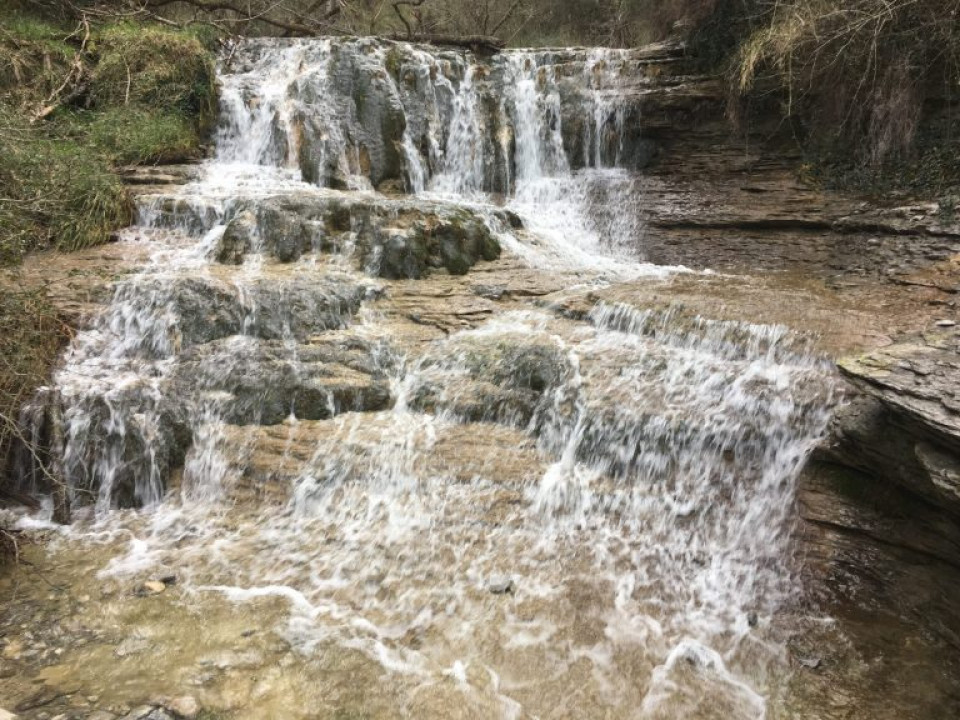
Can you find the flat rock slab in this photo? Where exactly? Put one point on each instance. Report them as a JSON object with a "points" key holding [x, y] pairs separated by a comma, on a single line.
{"points": [[918, 379]]}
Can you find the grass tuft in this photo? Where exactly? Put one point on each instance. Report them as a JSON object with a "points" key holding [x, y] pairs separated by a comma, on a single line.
{"points": [[133, 136], [154, 68], [31, 336]]}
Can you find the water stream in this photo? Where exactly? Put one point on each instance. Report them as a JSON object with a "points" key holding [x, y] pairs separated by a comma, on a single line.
{"points": [[539, 514]]}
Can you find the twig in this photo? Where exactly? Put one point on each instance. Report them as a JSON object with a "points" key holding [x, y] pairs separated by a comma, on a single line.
{"points": [[73, 76], [126, 96], [406, 23]]}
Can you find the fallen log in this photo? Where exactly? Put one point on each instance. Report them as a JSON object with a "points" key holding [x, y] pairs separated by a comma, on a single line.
{"points": [[478, 43]]}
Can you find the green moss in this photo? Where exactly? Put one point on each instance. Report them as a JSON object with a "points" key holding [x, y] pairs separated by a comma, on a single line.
{"points": [[394, 61]]}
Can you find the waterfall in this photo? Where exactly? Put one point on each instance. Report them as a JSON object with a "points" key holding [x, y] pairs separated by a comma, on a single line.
{"points": [[532, 502]]}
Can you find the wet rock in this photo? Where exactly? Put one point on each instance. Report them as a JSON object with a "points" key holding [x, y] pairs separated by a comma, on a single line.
{"points": [[388, 237], [140, 713], [490, 292], [159, 714], [250, 381], [284, 235], [13, 649], [370, 117], [190, 214], [811, 663], [497, 378], [274, 457], [151, 587], [145, 426], [161, 315], [904, 426], [363, 133], [133, 645], [39, 699], [149, 438], [878, 530], [202, 310], [238, 238]]}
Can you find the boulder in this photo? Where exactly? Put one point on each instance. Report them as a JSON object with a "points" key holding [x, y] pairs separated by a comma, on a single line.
{"points": [[159, 315], [238, 238]]}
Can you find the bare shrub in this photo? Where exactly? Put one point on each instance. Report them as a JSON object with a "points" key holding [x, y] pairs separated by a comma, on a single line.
{"points": [[857, 71]]}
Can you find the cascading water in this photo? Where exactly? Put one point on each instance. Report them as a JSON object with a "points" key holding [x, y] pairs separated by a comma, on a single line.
{"points": [[544, 514]]}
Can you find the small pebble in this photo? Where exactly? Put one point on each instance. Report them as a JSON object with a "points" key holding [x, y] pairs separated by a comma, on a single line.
{"points": [[152, 587], [184, 707], [503, 586]]}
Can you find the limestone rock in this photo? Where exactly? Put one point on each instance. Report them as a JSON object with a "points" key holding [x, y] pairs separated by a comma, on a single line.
{"points": [[152, 587], [904, 426], [918, 380], [265, 382], [499, 379], [502, 586], [169, 315]]}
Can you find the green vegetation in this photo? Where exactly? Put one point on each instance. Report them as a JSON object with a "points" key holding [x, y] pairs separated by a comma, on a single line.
{"points": [[869, 82], [77, 103], [866, 85]]}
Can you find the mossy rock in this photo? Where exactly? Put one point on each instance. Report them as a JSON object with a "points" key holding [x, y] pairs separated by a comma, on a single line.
{"points": [[486, 379]]}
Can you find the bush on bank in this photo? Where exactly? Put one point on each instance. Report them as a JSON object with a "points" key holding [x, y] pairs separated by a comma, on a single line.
{"points": [[77, 103], [868, 87]]}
